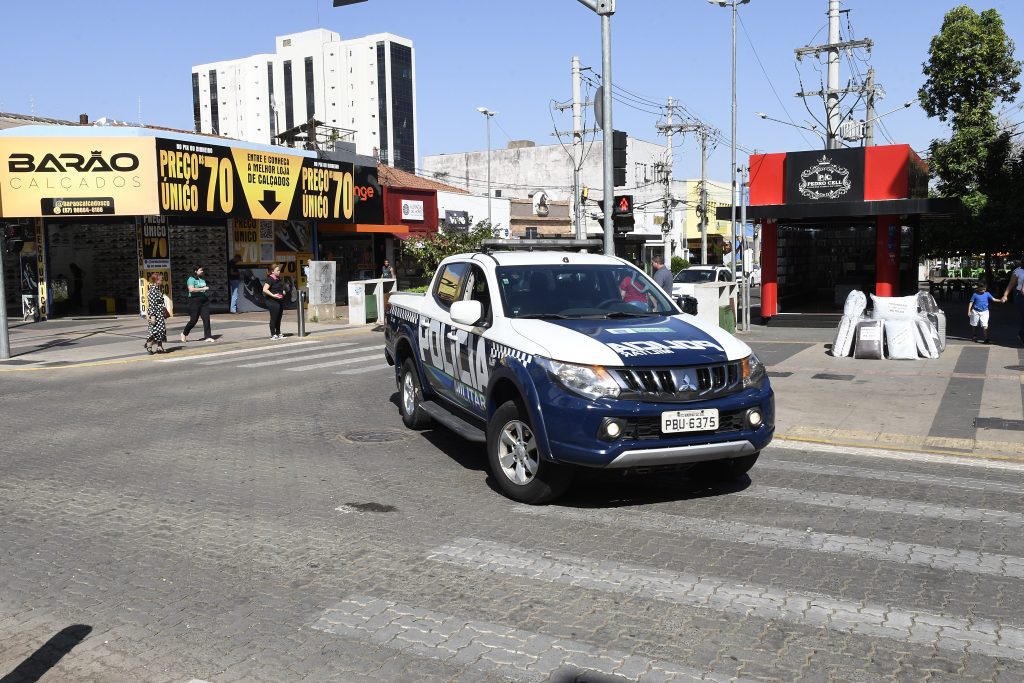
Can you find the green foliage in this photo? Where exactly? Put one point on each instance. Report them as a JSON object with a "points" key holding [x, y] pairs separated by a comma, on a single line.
{"points": [[971, 68], [416, 290], [429, 251], [679, 263]]}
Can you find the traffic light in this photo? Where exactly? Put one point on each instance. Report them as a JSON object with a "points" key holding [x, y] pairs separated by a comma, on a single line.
{"points": [[619, 157], [622, 212]]}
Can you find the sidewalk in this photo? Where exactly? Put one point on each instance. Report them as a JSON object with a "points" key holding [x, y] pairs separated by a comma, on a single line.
{"points": [[968, 402], [103, 340]]}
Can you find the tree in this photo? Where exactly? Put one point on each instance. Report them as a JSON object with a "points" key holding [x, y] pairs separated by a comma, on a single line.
{"points": [[430, 250], [970, 69]]}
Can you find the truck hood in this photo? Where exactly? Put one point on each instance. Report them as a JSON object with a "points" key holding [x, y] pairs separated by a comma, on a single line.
{"points": [[656, 341]]}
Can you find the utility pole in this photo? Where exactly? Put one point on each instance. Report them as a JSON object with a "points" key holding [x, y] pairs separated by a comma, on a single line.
{"points": [[832, 90], [5, 341], [703, 131], [577, 149], [605, 9], [745, 289], [869, 124], [666, 226]]}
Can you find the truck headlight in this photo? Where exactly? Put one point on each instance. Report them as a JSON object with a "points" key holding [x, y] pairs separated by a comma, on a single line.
{"points": [[753, 372], [592, 381]]}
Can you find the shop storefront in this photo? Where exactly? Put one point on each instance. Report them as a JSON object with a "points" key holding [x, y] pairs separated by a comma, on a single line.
{"points": [[836, 220], [100, 209]]}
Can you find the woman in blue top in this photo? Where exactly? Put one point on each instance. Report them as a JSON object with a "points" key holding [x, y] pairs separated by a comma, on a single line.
{"points": [[198, 304]]}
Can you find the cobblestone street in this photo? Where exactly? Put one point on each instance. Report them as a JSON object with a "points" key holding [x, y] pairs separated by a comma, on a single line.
{"points": [[199, 522]]}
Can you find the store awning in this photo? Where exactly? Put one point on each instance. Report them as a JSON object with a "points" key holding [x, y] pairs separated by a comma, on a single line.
{"points": [[940, 207], [348, 228]]}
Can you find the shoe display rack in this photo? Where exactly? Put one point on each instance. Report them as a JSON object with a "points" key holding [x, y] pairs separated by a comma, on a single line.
{"points": [[199, 245]]}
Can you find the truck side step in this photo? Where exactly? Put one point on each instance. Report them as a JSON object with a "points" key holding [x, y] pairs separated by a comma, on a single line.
{"points": [[454, 422]]}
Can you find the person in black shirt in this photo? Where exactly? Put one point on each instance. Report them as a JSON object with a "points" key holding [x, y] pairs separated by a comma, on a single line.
{"points": [[273, 293]]}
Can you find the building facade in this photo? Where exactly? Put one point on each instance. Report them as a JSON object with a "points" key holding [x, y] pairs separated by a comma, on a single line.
{"points": [[524, 168], [364, 89]]}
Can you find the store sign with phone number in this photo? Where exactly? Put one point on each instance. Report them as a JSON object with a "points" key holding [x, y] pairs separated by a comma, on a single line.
{"points": [[212, 180]]}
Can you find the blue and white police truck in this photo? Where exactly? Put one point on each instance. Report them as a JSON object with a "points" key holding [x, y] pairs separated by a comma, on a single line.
{"points": [[563, 360]]}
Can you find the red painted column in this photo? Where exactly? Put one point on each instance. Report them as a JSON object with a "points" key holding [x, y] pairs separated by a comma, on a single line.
{"points": [[887, 256], [769, 269]]}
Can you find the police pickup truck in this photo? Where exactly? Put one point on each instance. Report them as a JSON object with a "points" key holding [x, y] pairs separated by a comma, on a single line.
{"points": [[562, 360]]}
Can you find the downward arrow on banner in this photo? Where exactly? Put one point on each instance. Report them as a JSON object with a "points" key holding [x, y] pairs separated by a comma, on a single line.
{"points": [[269, 201]]}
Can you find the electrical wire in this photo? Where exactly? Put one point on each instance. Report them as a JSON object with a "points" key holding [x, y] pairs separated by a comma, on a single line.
{"points": [[767, 77]]}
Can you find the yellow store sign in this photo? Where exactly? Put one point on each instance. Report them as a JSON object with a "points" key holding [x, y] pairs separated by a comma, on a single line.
{"points": [[77, 177]]}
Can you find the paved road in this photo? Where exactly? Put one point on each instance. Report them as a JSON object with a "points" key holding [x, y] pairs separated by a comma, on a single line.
{"points": [[256, 515]]}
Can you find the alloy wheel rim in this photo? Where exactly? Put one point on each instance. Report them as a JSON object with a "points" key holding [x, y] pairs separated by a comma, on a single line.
{"points": [[408, 394], [517, 453]]}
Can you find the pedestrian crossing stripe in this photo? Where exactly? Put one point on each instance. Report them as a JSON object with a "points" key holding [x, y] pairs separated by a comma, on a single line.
{"points": [[204, 356]]}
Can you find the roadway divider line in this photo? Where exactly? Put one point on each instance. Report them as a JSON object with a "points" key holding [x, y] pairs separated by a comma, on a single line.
{"points": [[282, 361], [201, 356], [359, 371], [329, 364], [511, 653], [852, 502], [811, 610], [934, 557], [889, 475], [276, 352], [908, 456]]}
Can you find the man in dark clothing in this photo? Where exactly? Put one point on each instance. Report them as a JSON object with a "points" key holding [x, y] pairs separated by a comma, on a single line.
{"points": [[234, 282], [662, 274]]}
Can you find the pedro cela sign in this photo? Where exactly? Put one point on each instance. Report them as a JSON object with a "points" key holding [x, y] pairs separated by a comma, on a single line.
{"points": [[836, 175]]}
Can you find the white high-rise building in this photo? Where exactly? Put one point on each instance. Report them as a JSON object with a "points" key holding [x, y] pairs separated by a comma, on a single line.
{"points": [[364, 86]]}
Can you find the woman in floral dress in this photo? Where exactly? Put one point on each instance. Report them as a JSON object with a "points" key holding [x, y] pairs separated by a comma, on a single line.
{"points": [[157, 331]]}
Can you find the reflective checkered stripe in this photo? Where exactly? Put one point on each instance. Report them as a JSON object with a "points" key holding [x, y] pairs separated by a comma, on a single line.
{"points": [[499, 351], [405, 314]]}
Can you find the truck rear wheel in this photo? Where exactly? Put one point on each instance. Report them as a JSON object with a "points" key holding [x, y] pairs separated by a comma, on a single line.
{"points": [[413, 416], [522, 474]]}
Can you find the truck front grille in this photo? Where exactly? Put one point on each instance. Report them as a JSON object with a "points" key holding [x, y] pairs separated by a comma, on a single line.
{"points": [[671, 385]]}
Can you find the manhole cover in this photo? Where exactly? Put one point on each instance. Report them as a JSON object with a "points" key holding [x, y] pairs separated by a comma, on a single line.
{"points": [[373, 436]]}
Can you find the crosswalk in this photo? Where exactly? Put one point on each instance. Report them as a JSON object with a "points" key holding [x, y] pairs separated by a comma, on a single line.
{"points": [[295, 357], [868, 565]]}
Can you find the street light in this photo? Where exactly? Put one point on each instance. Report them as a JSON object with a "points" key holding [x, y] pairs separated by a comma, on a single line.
{"points": [[488, 113], [732, 166], [812, 128]]}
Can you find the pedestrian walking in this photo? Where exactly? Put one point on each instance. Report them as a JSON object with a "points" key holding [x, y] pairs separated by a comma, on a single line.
{"points": [[156, 332], [198, 304], [234, 282], [273, 293], [662, 274], [1015, 287], [977, 311]]}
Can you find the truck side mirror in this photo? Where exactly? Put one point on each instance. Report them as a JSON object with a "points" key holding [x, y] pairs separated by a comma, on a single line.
{"points": [[467, 312]]}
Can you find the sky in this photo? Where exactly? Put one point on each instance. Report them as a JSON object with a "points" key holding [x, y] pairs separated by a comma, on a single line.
{"points": [[132, 61]]}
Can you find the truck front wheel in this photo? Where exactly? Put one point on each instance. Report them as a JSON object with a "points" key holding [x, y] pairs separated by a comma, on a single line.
{"points": [[413, 416], [521, 472]]}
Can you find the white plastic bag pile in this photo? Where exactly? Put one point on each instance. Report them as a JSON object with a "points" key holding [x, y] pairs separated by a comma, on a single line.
{"points": [[913, 326]]}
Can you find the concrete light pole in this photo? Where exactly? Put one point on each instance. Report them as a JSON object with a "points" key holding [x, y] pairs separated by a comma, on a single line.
{"points": [[488, 114], [732, 164], [605, 9]]}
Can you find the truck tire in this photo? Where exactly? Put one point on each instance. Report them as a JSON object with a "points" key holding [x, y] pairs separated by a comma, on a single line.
{"points": [[411, 396], [520, 471], [726, 470]]}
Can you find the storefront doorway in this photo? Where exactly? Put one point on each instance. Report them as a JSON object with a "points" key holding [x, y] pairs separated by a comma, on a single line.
{"points": [[92, 268]]}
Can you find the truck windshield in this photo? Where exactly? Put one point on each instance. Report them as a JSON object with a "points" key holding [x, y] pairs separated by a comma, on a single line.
{"points": [[580, 291]]}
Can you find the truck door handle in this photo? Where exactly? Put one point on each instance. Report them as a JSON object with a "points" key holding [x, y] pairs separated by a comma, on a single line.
{"points": [[424, 322], [453, 335]]}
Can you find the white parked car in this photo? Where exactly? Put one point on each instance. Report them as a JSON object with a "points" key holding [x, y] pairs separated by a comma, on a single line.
{"points": [[684, 280], [755, 277]]}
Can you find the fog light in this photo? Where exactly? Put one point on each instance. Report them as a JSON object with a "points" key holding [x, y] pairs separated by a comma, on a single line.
{"points": [[611, 429], [754, 417]]}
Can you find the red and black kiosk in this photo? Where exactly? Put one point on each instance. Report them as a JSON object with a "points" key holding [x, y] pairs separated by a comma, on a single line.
{"points": [[835, 220]]}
